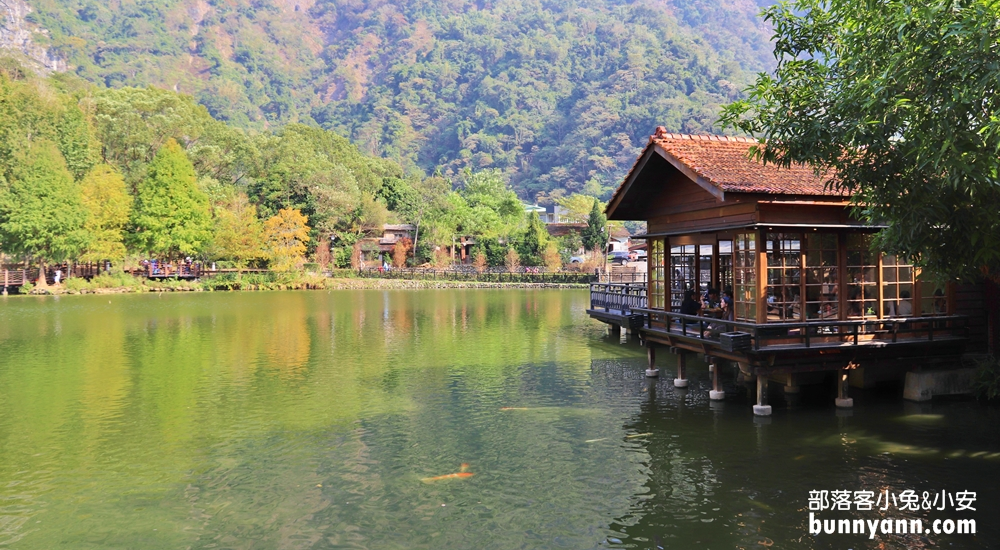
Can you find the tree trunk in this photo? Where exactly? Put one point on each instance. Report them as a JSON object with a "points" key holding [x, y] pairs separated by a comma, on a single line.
{"points": [[41, 282]]}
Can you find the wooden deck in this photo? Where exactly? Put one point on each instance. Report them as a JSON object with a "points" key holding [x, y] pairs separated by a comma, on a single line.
{"points": [[781, 347], [618, 304]]}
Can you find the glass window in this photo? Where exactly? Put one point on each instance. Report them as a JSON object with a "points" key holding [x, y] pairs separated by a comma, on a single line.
{"points": [[897, 287], [933, 299], [745, 277], [657, 281], [862, 272], [682, 273], [725, 265], [704, 268], [822, 284], [784, 276]]}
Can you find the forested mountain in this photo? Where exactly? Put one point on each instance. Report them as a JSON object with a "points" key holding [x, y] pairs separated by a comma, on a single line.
{"points": [[558, 94]]}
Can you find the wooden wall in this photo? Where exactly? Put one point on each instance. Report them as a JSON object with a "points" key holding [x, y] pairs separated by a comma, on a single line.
{"points": [[970, 299]]}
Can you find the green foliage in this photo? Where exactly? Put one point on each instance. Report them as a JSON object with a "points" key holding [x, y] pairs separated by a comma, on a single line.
{"points": [[172, 216], [491, 248], [108, 206], [553, 94], [986, 380], [239, 233], [533, 242], [41, 211], [896, 98], [595, 235]]}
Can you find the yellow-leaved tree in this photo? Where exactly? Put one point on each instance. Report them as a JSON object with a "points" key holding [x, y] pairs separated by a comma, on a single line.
{"points": [[286, 234], [239, 234], [108, 204]]}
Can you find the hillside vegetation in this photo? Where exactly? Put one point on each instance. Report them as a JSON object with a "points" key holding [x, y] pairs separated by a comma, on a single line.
{"points": [[558, 95], [90, 174]]}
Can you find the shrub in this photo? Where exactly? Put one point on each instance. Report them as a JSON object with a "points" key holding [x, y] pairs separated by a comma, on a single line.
{"points": [[986, 380]]}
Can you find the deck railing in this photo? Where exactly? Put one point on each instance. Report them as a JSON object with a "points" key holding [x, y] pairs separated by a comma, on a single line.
{"points": [[622, 297], [808, 333]]}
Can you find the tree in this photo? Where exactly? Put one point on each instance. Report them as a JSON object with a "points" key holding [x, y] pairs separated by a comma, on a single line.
{"points": [[41, 209], [400, 251], [551, 257], [239, 233], [172, 216], [511, 260], [576, 207], [595, 234], [108, 205], [286, 234], [533, 241], [897, 99]]}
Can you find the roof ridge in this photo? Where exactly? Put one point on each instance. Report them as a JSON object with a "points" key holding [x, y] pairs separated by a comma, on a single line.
{"points": [[662, 133]]}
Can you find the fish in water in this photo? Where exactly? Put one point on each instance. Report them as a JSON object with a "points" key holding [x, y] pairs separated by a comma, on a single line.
{"points": [[462, 473], [595, 440], [633, 436]]}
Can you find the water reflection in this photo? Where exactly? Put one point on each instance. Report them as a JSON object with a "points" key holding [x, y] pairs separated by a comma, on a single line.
{"points": [[309, 419]]}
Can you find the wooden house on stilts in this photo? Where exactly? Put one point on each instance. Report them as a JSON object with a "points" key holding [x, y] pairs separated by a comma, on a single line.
{"points": [[808, 293]]}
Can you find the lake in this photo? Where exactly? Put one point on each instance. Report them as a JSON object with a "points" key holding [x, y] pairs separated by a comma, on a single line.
{"points": [[319, 420]]}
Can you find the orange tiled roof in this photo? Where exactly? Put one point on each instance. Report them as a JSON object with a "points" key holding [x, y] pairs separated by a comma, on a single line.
{"points": [[723, 162]]}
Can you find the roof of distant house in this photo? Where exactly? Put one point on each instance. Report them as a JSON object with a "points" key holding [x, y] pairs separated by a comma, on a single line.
{"points": [[399, 227], [724, 162], [562, 229]]}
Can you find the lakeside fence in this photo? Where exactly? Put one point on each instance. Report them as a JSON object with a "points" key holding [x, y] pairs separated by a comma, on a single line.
{"points": [[490, 275]]}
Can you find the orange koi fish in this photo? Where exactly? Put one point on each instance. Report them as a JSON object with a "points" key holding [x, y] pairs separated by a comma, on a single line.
{"points": [[462, 473]]}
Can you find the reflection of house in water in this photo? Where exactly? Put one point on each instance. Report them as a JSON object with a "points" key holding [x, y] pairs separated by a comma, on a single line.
{"points": [[808, 294]]}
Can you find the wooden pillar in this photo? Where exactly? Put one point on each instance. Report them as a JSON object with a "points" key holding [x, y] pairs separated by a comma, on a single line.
{"points": [[716, 393], [762, 408], [843, 401], [761, 272], [616, 330], [681, 380], [651, 370], [791, 386]]}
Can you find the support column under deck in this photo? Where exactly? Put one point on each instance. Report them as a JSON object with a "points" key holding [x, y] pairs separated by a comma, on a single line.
{"points": [[651, 370], [681, 380], [762, 408], [716, 393], [843, 401]]}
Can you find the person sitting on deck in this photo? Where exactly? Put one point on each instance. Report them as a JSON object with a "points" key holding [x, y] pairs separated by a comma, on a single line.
{"points": [[904, 308], [711, 300], [727, 304], [690, 306]]}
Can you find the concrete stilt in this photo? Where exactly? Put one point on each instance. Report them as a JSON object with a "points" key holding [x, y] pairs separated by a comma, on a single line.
{"points": [[681, 381], [716, 393], [762, 408], [842, 400], [651, 371]]}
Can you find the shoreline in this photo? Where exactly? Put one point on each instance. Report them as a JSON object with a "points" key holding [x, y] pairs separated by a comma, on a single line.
{"points": [[315, 284]]}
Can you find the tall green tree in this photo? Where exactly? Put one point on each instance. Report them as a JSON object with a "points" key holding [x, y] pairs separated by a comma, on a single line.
{"points": [[108, 206], [897, 99], [41, 211], [595, 235], [533, 242], [172, 216]]}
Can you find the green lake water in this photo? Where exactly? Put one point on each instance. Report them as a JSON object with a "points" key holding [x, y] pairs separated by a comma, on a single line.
{"points": [[311, 419]]}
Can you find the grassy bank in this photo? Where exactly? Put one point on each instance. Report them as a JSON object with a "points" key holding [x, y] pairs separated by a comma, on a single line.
{"points": [[118, 283]]}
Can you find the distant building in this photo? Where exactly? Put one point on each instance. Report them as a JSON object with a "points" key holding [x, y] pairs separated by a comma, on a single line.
{"points": [[393, 233]]}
